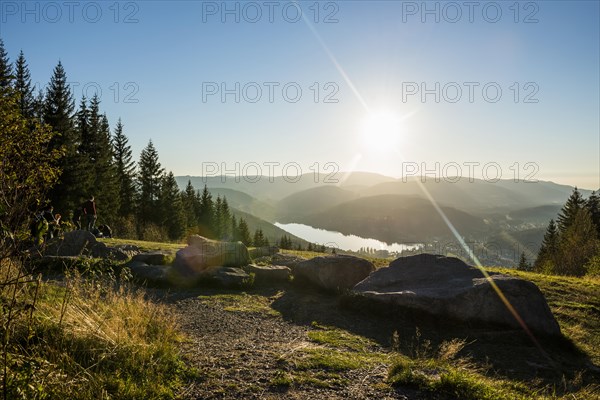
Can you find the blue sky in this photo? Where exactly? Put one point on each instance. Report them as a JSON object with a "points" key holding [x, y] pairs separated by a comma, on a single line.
{"points": [[165, 55]]}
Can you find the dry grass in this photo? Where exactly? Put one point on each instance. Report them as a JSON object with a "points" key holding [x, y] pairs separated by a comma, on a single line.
{"points": [[87, 339]]}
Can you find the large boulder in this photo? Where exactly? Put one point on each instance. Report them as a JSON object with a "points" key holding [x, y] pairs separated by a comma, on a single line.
{"points": [[334, 272], [74, 243], [447, 287], [82, 243], [201, 254]]}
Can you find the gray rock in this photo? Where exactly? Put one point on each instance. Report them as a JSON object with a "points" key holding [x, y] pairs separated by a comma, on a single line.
{"points": [[201, 254], [83, 243], [334, 272], [268, 273], [447, 287], [75, 243], [152, 258], [153, 274], [287, 260], [129, 249], [100, 250], [231, 277]]}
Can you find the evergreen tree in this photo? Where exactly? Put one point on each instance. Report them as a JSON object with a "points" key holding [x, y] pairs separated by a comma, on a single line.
{"points": [[172, 215], [6, 76], [593, 206], [259, 238], [523, 263], [106, 183], [574, 203], [207, 212], [82, 125], [23, 87], [149, 182], [244, 232], [235, 234], [225, 220], [190, 205], [310, 247], [578, 244], [548, 252], [216, 226], [59, 114], [125, 171]]}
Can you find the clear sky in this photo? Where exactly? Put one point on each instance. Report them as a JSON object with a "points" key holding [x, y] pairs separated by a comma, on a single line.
{"points": [[386, 86]]}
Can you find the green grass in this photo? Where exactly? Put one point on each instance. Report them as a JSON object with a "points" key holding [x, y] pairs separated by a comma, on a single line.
{"points": [[443, 378], [245, 303], [144, 245], [329, 352]]}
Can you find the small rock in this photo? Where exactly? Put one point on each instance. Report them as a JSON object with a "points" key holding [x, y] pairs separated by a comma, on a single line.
{"points": [[152, 258], [269, 273], [231, 277], [153, 274]]}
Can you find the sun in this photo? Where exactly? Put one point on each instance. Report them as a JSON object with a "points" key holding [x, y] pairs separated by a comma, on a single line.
{"points": [[381, 131]]}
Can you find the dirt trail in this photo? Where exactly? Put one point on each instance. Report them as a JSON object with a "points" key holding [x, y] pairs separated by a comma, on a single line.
{"points": [[251, 351]]}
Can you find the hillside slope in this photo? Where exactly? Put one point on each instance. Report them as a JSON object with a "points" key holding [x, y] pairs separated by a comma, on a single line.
{"points": [[394, 219]]}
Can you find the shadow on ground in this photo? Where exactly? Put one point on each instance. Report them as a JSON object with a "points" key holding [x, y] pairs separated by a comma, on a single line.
{"points": [[504, 353]]}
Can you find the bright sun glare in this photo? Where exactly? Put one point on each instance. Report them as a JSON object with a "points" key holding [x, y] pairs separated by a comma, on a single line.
{"points": [[381, 131]]}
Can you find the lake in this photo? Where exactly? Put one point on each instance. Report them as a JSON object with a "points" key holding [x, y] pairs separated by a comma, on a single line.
{"points": [[341, 241]]}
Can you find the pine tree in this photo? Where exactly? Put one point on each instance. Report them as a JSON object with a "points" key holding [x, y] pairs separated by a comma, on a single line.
{"points": [[523, 263], [190, 205], [172, 215], [574, 203], [244, 232], [593, 206], [578, 244], [225, 220], [6, 76], [149, 182], [125, 171], [206, 216], [59, 114], [82, 125], [547, 254], [235, 234], [23, 87], [216, 226], [106, 184], [259, 238]]}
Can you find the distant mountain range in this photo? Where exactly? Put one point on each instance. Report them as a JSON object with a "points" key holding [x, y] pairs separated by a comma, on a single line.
{"points": [[391, 210]]}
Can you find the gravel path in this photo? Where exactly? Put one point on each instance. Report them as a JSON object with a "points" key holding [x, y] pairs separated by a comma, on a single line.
{"points": [[240, 353]]}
